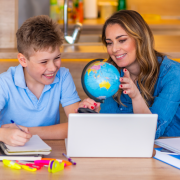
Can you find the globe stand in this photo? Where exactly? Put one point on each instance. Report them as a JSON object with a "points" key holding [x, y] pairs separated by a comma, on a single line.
{"points": [[86, 110]]}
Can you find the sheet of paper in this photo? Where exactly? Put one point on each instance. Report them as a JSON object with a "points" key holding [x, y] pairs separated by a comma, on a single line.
{"points": [[34, 144], [169, 143]]}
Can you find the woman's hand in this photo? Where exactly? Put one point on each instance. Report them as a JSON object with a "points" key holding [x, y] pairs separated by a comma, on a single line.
{"points": [[128, 86], [12, 136], [90, 103]]}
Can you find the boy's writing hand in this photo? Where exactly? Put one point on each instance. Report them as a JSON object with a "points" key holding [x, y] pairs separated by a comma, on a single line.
{"points": [[128, 86], [90, 103], [12, 125], [12, 136]]}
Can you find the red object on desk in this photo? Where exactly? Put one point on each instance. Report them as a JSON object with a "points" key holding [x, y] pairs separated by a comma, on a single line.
{"points": [[66, 162]]}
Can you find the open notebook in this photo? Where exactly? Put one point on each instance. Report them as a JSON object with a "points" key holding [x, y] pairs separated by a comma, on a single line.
{"points": [[34, 146]]}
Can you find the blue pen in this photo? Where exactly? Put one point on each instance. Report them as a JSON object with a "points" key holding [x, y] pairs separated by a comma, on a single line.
{"points": [[17, 126]]}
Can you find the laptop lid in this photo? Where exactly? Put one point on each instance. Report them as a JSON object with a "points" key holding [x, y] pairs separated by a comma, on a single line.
{"points": [[111, 135]]}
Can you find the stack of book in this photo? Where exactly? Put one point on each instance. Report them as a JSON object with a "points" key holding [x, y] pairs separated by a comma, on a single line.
{"points": [[169, 151], [34, 149]]}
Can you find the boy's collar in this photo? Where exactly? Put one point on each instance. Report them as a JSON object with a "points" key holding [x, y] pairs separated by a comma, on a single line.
{"points": [[56, 79], [19, 77], [20, 80]]}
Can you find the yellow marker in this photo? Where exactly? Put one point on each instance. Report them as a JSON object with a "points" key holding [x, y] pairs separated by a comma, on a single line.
{"points": [[11, 164], [28, 168], [55, 166]]}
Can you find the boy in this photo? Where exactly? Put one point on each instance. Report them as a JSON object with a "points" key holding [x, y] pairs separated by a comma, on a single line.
{"points": [[31, 92]]}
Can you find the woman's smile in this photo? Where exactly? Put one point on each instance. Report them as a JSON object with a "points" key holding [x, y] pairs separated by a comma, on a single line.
{"points": [[119, 57]]}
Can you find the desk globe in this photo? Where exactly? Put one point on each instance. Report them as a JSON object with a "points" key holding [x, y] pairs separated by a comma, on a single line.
{"points": [[100, 80]]}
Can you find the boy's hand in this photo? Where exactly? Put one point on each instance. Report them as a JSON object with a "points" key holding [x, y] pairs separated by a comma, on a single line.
{"points": [[13, 136], [12, 125], [90, 103], [128, 86]]}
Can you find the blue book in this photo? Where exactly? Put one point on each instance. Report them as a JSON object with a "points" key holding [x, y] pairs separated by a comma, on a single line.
{"points": [[169, 158]]}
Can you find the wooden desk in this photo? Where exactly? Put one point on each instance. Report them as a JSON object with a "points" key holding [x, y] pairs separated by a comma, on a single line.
{"points": [[96, 168]]}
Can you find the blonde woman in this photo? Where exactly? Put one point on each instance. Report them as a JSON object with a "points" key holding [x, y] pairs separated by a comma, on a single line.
{"points": [[150, 82]]}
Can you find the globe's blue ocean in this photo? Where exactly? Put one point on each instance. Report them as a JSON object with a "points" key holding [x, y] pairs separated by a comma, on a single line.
{"points": [[102, 80]]}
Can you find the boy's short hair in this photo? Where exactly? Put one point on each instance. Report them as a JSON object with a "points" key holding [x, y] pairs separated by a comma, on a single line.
{"points": [[38, 33]]}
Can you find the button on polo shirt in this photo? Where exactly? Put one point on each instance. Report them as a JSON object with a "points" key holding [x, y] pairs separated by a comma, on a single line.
{"points": [[18, 103]]}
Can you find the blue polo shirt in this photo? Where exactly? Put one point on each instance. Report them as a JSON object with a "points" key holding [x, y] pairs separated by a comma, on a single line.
{"points": [[18, 103]]}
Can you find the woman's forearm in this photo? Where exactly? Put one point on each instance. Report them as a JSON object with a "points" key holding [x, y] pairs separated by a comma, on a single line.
{"points": [[140, 106]]}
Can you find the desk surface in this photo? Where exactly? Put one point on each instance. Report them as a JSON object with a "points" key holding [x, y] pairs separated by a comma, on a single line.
{"points": [[97, 168]]}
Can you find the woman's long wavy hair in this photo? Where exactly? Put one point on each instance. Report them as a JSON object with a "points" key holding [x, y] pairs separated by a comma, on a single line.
{"points": [[146, 55]]}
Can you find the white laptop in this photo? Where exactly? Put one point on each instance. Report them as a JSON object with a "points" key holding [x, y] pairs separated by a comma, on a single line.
{"points": [[111, 135]]}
